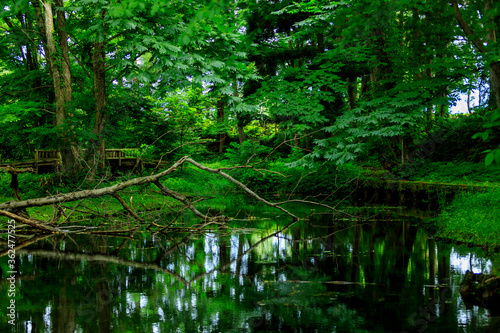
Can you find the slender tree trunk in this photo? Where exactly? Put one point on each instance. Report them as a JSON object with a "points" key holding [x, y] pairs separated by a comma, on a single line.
{"points": [[320, 41], [443, 108], [352, 91], [365, 80], [221, 118], [241, 121], [241, 133], [98, 158]]}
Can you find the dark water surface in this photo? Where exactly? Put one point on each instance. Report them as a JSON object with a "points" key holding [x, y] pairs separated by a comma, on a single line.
{"points": [[268, 275]]}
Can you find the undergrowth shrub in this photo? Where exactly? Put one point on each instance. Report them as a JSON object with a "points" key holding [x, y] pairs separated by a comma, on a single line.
{"points": [[30, 186], [190, 180], [241, 153]]}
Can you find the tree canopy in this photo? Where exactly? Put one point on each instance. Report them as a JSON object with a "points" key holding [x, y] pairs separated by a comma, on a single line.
{"points": [[341, 80]]}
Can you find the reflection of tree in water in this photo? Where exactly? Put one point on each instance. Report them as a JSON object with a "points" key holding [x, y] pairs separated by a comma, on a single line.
{"points": [[306, 274]]}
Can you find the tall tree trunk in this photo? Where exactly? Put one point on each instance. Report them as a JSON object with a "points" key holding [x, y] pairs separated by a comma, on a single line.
{"points": [[491, 38], [54, 69], [98, 158], [61, 81], [69, 151], [495, 83], [63, 42]]}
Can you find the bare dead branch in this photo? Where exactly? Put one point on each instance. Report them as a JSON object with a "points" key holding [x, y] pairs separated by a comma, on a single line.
{"points": [[29, 222], [240, 185], [180, 198], [127, 208], [7, 207]]}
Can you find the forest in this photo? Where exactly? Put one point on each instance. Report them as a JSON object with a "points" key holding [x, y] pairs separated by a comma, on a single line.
{"points": [[169, 121]]}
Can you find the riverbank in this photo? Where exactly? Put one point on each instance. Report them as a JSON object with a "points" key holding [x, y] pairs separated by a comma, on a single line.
{"points": [[472, 217], [472, 214]]}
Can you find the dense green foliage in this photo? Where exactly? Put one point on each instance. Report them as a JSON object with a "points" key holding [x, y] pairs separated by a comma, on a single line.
{"points": [[367, 80], [300, 101]]}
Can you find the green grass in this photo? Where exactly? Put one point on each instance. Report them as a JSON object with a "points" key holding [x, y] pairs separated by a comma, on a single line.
{"points": [[472, 218]]}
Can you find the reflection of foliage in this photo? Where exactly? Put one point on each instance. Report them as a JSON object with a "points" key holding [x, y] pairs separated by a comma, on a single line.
{"points": [[275, 276]]}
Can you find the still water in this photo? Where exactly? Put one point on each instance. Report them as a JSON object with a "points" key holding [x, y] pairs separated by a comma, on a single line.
{"points": [[263, 274]]}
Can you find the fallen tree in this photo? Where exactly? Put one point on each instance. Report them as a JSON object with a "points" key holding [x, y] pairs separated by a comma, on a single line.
{"points": [[12, 208]]}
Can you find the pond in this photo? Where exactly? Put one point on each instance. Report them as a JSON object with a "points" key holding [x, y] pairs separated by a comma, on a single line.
{"points": [[258, 274]]}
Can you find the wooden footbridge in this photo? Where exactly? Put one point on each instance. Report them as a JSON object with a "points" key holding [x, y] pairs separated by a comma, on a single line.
{"points": [[50, 160]]}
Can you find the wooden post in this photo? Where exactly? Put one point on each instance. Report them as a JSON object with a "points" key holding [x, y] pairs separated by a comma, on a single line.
{"points": [[36, 161], [14, 184]]}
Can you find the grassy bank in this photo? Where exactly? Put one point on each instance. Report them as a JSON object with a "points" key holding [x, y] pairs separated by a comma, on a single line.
{"points": [[472, 218]]}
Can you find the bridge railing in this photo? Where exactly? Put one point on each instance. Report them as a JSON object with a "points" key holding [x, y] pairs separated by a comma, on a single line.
{"points": [[47, 155], [53, 158], [122, 153], [112, 154]]}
